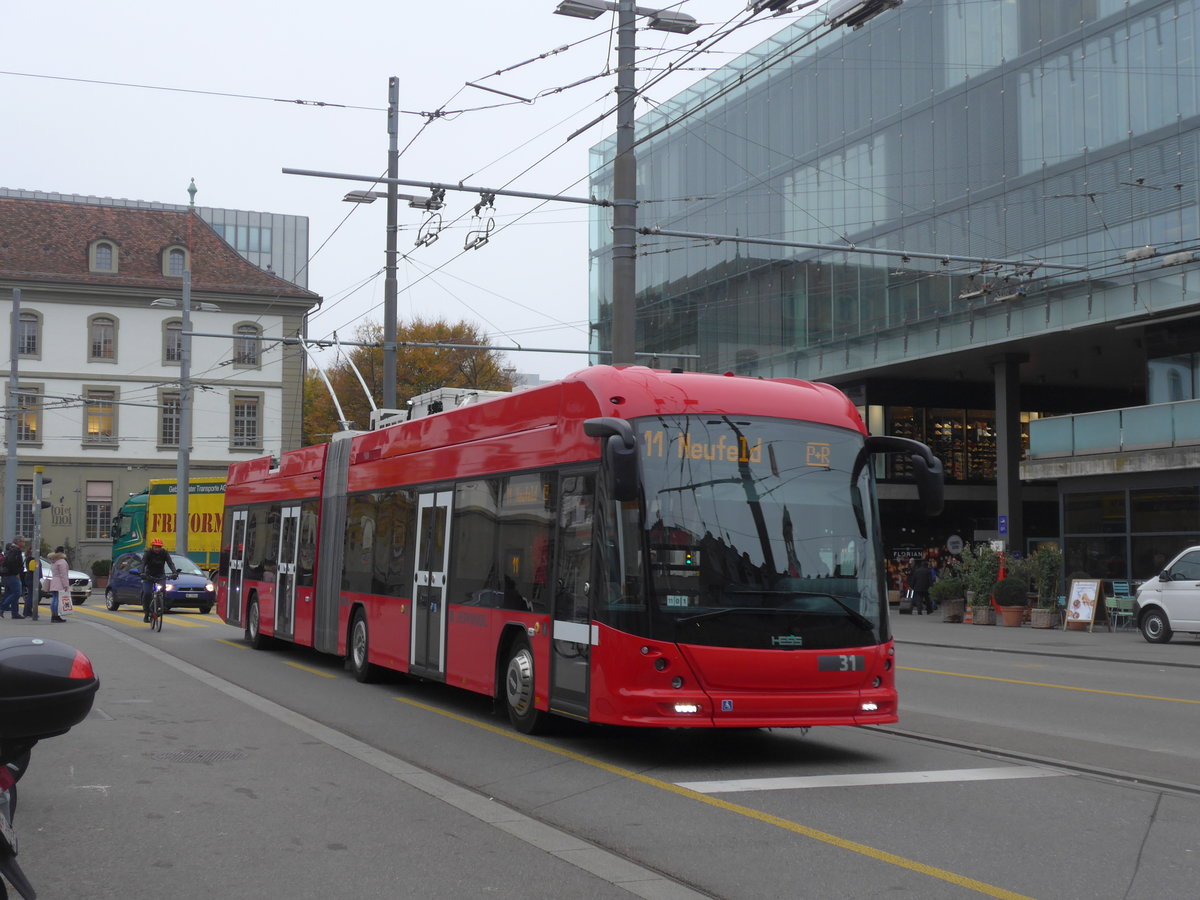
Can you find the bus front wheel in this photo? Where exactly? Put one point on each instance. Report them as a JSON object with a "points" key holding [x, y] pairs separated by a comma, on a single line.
{"points": [[518, 688]]}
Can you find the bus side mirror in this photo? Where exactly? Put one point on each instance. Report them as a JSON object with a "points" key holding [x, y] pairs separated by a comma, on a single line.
{"points": [[620, 454], [927, 468]]}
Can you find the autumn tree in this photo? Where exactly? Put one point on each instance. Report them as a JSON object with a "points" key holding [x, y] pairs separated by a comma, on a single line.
{"points": [[418, 369]]}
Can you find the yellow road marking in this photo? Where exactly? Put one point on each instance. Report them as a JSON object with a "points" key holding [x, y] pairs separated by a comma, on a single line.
{"points": [[103, 614], [308, 669], [1060, 687], [825, 837], [237, 644], [135, 618]]}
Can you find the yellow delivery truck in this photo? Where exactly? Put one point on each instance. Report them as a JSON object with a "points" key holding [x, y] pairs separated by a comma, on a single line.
{"points": [[151, 514]]}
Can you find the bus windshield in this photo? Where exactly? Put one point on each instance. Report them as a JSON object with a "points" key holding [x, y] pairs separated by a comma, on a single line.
{"points": [[755, 536]]}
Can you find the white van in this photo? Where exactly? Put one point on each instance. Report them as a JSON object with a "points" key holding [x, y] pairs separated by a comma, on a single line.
{"points": [[1170, 601]]}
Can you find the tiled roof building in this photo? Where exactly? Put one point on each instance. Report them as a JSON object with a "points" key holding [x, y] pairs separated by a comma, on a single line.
{"points": [[98, 366]]}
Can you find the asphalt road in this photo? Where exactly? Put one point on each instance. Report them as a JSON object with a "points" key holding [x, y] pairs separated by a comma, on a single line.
{"points": [[1026, 764]]}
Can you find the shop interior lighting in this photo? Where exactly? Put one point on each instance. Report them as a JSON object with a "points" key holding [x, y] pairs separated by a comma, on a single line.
{"points": [[1178, 259], [1139, 253], [856, 13]]}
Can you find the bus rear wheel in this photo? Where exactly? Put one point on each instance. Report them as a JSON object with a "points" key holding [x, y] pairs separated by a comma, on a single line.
{"points": [[360, 645], [254, 627], [519, 689]]}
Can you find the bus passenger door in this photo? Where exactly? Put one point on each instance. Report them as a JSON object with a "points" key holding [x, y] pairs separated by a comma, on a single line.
{"points": [[571, 630], [237, 557], [429, 587], [285, 577]]}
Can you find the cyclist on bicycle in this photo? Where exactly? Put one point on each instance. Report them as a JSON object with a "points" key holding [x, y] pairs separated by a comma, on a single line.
{"points": [[155, 562]]}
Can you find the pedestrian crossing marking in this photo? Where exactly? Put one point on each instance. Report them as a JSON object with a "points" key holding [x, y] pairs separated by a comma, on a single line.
{"points": [[791, 783]]}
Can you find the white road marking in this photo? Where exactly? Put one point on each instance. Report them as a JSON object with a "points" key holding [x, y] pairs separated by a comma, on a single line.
{"points": [[998, 773]]}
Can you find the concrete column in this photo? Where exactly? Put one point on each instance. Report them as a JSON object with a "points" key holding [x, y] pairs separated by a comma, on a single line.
{"points": [[1006, 375]]}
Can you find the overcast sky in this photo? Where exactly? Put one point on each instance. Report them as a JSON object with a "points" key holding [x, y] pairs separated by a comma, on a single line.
{"points": [[74, 123]]}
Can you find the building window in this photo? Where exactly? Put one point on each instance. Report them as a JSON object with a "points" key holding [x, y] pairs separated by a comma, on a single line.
{"points": [[102, 338], [172, 340], [174, 261], [168, 420], [245, 346], [98, 511], [100, 416], [245, 431], [102, 256], [24, 508], [29, 414], [29, 334], [246, 238]]}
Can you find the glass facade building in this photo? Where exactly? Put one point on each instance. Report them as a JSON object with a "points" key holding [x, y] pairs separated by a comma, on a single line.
{"points": [[1022, 173]]}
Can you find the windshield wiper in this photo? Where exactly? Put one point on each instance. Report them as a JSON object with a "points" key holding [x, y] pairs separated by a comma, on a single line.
{"points": [[712, 613], [855, 616]]}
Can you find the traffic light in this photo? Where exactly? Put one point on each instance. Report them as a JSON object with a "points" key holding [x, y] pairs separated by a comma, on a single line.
{"points": [[39, 482]]}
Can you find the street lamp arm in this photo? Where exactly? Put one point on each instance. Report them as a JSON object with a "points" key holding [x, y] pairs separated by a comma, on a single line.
{"points": [[444, 186]]}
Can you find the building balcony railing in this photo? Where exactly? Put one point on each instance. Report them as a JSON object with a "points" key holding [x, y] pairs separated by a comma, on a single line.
{"points": [[1156, 427]]}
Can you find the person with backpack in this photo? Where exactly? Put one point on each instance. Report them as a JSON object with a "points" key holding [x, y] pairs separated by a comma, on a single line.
{"points": [[13, 570], [155, 562]]}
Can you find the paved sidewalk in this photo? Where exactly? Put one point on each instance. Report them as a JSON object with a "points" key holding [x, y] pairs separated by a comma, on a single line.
{"points": [[1122, 645], [182, 785]]}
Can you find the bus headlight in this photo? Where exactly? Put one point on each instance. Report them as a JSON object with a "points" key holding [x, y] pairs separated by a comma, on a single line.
{"points": [[870, 707], [687, 708]]}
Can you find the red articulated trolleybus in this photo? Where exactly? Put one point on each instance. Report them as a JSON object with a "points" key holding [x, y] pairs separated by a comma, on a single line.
{"points": [[624, 546]]}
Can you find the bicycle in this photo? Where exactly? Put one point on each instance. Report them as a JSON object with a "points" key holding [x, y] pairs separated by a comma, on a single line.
{"points": [[158, 600]]}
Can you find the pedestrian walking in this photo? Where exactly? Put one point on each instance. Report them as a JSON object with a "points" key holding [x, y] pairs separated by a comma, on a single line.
{"points": [[60, 582], [12, 568], [920, 580]]}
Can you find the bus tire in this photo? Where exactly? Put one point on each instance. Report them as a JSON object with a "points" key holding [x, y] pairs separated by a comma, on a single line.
{"points": [[359, 650], [254, 627], [519, 688]]}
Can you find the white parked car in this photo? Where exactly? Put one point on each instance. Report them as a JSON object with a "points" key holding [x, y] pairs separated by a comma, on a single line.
{"points": [[81, 582], [1170, 601]]}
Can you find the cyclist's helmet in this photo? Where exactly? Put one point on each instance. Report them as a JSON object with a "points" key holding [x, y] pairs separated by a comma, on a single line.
{"points": [[157, 542]]}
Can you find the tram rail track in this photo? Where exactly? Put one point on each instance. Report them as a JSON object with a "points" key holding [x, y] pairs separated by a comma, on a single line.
{"points": [[1088, 657], [1113, 776]]}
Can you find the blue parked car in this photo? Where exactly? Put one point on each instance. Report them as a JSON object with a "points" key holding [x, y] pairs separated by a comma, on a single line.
{"points": [[192, 588]]}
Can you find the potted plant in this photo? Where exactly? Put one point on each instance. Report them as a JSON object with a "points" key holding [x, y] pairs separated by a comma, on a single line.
{"points": [[979, 567], [100, 570], [948, 594], [1011, 595], [1046, 568]]}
